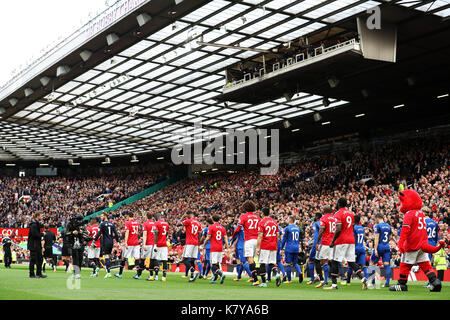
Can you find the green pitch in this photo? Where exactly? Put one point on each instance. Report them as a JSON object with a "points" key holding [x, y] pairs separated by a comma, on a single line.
{"points": [[15, 284]]}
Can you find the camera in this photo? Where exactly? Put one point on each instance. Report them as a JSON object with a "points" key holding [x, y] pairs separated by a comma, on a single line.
{"points": [[80, 240]]}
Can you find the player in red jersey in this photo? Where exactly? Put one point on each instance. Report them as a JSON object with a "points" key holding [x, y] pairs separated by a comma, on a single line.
{"points": [[326, 234], [217, 235], [190, 251], [413, 242], [148, 242], [266, 248], [94, 248], [343, 244], [131, 248], [249, 221], [162, 228]]}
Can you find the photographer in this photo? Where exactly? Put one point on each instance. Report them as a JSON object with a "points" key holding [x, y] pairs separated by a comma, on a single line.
{"points": [[78, 236]]}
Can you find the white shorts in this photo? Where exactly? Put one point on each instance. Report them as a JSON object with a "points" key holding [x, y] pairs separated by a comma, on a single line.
{"points": [[268, 256], [93, 253], [216, 257], [161, 254], [324, 253], [250, 248], [132, 252], [190, 251], [345, 251], [147, 252], [414, 257]]}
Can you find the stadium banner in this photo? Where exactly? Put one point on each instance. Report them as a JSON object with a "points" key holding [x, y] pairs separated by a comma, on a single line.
{"points": [[19, 232]]}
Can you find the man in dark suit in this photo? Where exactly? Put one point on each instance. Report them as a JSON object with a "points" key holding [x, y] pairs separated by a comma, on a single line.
{"points": [[7, 251], [35, 241]]}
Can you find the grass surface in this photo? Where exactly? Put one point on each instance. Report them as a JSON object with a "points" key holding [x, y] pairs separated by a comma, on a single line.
{"points": [[15, 284]]}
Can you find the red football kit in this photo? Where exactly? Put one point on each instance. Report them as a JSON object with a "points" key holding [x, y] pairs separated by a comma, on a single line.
{"points": [[150, 227], [192, 229], [133, 236], [268, 227], [163, 229], [217, 233], [346, 218], [249, 221], [329, 224], [93, 232], [415, 220]]}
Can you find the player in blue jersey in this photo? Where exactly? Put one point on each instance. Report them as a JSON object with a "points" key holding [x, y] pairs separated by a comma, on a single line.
{"points": [[108, 232], [291, 245], [432, 232], [238, 243], [382, 248], [360, 248], [207, 252], [314, 263]]}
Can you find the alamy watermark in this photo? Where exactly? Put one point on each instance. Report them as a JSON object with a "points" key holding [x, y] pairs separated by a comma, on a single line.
{"points": [[374, 20], [229, 148]]}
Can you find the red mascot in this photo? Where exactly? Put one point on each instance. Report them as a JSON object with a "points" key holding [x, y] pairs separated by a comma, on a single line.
{"points": [[413, 242]]}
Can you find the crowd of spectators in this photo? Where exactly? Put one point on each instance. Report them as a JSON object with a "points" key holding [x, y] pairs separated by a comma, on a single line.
{"points": [[301, 189], [60, 197], [369, 179]]}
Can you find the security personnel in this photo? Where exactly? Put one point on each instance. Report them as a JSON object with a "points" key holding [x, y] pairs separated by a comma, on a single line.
{"points": [[7, 251], [14, 257], [440, 263], [35, 246]]}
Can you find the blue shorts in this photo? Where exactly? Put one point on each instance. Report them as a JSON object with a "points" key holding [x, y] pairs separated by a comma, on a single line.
{"points": [[360, 256], [239, 254], [291, 257], [312, 253], [384, 254]]}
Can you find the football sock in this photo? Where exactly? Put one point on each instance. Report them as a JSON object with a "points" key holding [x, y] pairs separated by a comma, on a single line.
{"points": [[141, 267], [310, 270], [318, 267], [334, 271], [254, 272], [199, 266], [281, 267], [356, 268], [326, 272], [299, 271], [426, 268], [239, 270], [288, 272], [122, 265], [262, 271], [165, 268], [269, 274], [387, 269], [349, 274], [108, 265], [366, 273], [247, 269]]}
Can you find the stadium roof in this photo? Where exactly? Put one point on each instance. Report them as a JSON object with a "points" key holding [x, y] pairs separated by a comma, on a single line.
{"points": [[146, 91]]}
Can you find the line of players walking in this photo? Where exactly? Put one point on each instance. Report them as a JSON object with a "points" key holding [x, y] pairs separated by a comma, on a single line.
{"points": [[337, 238]]}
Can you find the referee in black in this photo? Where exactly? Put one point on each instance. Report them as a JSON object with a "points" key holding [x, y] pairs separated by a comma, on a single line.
{"points": [[49, 240], [34, 244]]}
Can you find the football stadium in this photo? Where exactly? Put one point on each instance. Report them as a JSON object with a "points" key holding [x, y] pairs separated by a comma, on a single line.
{"points": [[245, 150]]}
